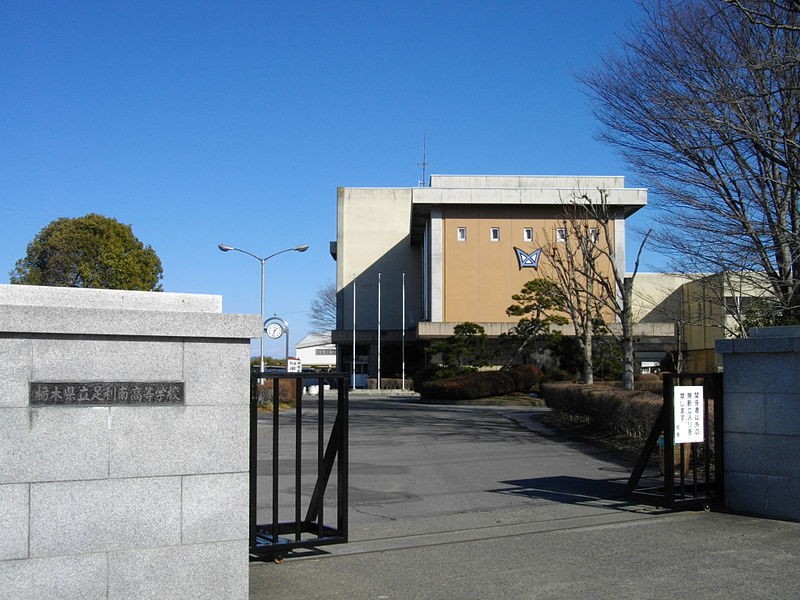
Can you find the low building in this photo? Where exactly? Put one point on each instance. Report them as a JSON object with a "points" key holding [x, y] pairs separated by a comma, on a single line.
{"points": [[716, 307], [317, 352], [699, 308], [657, 308]]}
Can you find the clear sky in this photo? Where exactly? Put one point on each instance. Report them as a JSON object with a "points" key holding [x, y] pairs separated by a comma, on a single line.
{"points": [[205, 122]]}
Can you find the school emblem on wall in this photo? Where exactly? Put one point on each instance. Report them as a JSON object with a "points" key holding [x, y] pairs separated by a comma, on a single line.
{"points": [[525, 260]]}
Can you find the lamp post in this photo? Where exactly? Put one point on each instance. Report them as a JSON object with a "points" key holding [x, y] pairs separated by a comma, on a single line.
{"points": [[262, 260]]}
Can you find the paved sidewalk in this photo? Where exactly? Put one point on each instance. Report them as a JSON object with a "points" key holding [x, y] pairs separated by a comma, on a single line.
{"points": [[467, 504]]}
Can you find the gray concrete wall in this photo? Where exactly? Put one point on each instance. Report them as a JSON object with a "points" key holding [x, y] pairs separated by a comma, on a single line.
{"points": [[123, 501], [762, 422]]}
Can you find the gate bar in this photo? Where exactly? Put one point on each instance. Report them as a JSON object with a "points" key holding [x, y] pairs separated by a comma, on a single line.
{"points": [[298, 453], [276, 407], [265, 541], [711, 489]]}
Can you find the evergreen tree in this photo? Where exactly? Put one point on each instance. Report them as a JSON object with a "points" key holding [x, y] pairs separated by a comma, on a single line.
{"points": [[92, 251]]}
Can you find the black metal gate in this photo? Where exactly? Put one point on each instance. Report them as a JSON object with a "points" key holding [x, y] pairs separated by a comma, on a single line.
{"points": [[693, 473], [328, 439]]}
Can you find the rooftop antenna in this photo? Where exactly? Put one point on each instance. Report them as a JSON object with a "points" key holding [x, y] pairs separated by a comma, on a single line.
{"points": [[424, 164]]}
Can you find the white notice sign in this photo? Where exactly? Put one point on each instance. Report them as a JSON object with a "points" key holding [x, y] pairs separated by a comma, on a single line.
{"points": [[689, 419]]}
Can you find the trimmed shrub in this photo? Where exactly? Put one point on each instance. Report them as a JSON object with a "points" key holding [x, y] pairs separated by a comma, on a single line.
{"points": [[632, 413], [647, 377], [654, 386], [388, 383], [481, 384], [286, 390], [437, 372], [525, 377], [559, 375], [468, 386]]}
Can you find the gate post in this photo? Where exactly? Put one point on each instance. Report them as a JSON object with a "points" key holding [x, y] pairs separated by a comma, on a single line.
{"points": [[123, 444], [700, 459], [762, 422]]}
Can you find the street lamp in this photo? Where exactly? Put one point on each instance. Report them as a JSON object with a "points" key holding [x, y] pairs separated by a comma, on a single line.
{"points": [[226, 248]]}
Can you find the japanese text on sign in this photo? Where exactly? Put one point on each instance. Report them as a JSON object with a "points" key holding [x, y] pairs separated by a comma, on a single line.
{"points": [[689, 418], [106, 393]]}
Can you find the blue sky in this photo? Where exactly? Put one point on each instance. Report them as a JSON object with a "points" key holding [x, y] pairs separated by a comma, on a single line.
{"points": [[205, 122]]}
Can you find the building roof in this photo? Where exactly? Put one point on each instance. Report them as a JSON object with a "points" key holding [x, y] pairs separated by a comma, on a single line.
{"points": [[527, 189], [314, 339], [520, 190]]}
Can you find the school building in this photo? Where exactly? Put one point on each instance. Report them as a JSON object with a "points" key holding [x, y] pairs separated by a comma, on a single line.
{"points": [[411, 263]]}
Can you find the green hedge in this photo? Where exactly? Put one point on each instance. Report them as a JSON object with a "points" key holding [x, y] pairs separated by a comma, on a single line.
{"points": [[481, 384], [608, 408]]}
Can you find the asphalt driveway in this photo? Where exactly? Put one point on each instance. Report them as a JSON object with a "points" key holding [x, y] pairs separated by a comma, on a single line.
{"points": [[482, 502]]}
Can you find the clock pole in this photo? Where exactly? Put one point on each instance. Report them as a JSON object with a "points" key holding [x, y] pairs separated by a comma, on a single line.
{"points": [[301, 248], [275, 328]]}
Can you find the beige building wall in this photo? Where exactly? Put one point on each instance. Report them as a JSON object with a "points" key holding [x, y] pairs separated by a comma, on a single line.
{"points": [[374, 237], [710, 313], [657, 297], [481, 274], [704, 317], [475, 279]]}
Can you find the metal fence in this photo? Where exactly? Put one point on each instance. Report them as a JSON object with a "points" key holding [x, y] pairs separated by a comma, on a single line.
{"points": [[688, 436], [318, 426]]}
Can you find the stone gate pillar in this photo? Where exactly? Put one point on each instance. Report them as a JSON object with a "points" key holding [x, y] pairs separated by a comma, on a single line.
{"points": [[762, 422], [123, 445]]}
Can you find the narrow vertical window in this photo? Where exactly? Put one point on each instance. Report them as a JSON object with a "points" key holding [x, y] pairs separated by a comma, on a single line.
{"points": [[527, 234], [561, 234], [461, 234], [494, 234], [594, 234]]}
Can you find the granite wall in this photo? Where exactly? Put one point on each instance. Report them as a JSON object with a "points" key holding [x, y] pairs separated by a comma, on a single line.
{"points": [[123, 500], [762, 422]]}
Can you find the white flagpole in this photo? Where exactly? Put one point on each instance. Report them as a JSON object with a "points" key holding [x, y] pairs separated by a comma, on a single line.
{"points": [[403, 334], [379, 331], [353, 363]]}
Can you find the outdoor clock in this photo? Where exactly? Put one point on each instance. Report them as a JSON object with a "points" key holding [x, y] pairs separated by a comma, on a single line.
{"points": [[274, 330]]}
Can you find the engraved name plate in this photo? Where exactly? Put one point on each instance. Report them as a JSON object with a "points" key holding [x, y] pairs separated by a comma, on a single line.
{"points": [[104, 393]]}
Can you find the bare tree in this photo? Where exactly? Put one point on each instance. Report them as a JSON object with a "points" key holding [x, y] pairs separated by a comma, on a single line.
{"points": [[705, 104], [586, 265], [573, 257], [322, 313], [619, 288], [768, 13]]}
